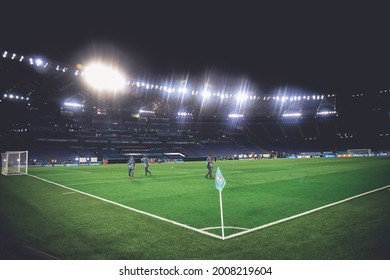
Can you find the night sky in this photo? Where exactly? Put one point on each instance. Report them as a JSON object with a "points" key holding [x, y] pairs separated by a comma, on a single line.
{"points": [[322, 47]]}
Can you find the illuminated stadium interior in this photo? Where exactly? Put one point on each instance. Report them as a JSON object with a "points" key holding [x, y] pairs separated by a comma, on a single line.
{"points": [[63, 112]]}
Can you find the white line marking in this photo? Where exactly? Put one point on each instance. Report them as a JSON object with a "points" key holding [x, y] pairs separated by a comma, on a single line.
{"points": [[70, 170], [40, 252], [61, 174], [202, 231], [304, 213], [98, 182], [132, 209], [241, 228]]}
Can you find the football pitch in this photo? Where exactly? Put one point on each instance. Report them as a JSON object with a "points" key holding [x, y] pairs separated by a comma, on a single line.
{"points": [[320, 208]]}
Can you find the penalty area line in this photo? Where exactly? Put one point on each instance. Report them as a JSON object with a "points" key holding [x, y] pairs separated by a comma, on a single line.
{"points": [[130, 208], [303, 213]]}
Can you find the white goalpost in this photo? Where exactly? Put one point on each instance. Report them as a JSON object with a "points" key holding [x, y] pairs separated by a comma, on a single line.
{"points": [[359, 152], [14, 163]]}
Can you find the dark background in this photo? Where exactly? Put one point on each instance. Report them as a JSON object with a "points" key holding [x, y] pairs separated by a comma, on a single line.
{"points": [[318, 46]]}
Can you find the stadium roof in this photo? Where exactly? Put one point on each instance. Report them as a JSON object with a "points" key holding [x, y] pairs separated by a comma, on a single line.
{"points": [[261, 50]]}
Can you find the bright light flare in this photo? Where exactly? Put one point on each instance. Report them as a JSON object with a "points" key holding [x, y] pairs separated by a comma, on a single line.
{"points": [[236, 116], [102, 77], [241, 97], [292, 115]]}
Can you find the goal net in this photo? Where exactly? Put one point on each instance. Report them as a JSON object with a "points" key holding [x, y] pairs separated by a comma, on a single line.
{"points": [[359, 152], [14, 163]]}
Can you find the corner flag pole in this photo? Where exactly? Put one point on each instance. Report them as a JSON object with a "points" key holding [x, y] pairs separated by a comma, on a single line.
{"points": [[220, 205], [220, 182]]}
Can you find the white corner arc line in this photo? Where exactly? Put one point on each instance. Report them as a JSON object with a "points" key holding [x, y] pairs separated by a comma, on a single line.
{"points": [[303, 214], [132, 209], [219, 227]]}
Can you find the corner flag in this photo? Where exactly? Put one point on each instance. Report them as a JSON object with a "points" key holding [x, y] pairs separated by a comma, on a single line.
{"points": [[220, 181]]}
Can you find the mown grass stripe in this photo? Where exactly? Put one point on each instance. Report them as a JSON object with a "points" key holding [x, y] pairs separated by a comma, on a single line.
{"points": [[132, 209], [303, 214]]}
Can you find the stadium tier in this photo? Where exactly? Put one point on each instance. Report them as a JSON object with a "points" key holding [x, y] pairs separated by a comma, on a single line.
{"points": [[57, 119]]}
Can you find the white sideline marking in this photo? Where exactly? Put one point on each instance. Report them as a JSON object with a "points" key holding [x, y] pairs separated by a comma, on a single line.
{"points": [[132, 209], [304, 213], [68, 192]]}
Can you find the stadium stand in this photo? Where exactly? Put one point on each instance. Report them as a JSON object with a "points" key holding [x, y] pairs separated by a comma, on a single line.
{"points": [[114, 129]]}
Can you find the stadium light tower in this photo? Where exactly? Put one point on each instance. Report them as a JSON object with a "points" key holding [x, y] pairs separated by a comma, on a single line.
{"points": [[103, 77]]}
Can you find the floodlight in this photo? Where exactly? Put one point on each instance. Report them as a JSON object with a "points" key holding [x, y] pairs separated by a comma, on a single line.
{"points": [[325, 113], [5, 54], [146, 112], [292, 115], [205, 94], [235, 116], [73, 104], [241, 97], [183, 114], [182, 90], [102, 77], [38, 62]]}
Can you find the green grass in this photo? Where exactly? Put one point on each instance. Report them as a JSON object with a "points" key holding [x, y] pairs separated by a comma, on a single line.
{"points": [[75, 226]]}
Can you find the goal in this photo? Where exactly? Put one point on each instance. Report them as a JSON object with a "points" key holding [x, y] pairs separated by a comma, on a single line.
{"points": [[14, 163], [359, 152]]}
